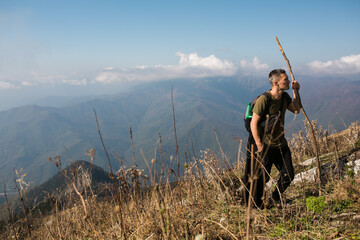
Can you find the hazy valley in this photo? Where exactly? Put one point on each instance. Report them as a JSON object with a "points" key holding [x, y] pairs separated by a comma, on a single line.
{"points": [[31, 134]]}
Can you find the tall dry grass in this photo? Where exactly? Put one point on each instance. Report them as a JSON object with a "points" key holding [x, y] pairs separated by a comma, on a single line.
{"points": [[204, 203]]}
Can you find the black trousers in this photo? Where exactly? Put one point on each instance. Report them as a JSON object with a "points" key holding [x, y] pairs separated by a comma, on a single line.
{"points": [[258, 169]]}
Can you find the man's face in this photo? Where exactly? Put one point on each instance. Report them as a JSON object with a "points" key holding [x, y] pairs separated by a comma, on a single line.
{"points": [[284, 82]]}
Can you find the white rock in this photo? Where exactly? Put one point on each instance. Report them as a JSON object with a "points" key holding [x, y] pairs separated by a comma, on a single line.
{"points": [[308, 162], [310, 176], [356, 167]]}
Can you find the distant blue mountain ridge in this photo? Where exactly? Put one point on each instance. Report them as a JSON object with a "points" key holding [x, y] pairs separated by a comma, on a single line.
{"points": [[29, 135]]}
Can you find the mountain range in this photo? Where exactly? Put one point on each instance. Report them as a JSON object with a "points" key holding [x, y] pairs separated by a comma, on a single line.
{"points": [[30, 135], [60, 186]]}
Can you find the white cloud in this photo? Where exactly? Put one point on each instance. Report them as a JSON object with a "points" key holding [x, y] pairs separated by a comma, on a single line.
{"points": [[6, 85], [210, 62], [189, 66], [254, 65], [82, 82], [53, 79], [344, 65], [109, 77], [46, 79], [28, 84]]}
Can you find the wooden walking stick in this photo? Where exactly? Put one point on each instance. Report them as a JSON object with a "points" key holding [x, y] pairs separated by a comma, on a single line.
{"points": [[315, 146]]}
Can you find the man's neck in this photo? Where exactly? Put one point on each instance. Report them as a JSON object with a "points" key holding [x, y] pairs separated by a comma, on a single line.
{"points": [[276, 92]]}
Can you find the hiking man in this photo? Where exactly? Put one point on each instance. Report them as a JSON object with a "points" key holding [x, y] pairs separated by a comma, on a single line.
{"points": [[267, 139]]}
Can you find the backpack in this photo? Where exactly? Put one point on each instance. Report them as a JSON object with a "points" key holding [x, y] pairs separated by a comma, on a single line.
{"points": [[250, 107], [270, 124]]}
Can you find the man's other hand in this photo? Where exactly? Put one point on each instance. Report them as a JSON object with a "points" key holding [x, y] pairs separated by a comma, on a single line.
{"points": [[260, 146]]}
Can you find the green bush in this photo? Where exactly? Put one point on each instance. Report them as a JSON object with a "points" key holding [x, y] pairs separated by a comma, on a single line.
{"points": [[316, 204], [278, 231]]}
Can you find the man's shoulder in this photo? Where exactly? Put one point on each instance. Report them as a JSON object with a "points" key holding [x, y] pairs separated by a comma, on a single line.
{"points": [[262, 103], [264, 97]]}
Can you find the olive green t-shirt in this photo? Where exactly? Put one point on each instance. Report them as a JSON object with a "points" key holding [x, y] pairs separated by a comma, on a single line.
{"points": [[277, 139]]}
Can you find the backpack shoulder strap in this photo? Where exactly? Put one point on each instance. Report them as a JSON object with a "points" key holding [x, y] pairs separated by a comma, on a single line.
{"points": [[267, 103], [268, 99], [267, 94]]}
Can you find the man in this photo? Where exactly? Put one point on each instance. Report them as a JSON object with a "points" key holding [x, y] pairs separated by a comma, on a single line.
{"points": [[270, 147]]}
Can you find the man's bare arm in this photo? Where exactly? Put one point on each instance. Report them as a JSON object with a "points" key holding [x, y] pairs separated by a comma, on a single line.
{"points": [[255, 131], [294, 107]]}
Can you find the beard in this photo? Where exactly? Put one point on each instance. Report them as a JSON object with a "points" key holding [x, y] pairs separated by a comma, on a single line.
{"points": [[285, 88]]}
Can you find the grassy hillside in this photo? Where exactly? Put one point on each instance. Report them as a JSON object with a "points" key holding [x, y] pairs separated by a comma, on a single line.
{"points": [[205, 203]]}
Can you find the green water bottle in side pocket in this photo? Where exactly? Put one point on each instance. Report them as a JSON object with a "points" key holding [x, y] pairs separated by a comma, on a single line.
{"points": [[249, 112]]}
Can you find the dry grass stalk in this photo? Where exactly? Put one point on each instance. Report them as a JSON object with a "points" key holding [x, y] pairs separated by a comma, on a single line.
{"points": [[176, 141], [9, 211], [132, 146], [103, 144], [251, 178], [200, 203], [219, 224], [19, 185], [223, 155]]}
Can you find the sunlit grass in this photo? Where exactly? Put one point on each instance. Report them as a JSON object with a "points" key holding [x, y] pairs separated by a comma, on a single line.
{"points": [[203, 203]]}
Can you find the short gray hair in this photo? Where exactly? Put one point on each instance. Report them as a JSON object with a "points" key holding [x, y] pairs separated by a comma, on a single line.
{"points": [[274, 75]]}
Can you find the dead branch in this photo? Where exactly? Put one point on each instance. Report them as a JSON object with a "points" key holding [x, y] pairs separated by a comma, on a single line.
{"points": [[305, 115]]}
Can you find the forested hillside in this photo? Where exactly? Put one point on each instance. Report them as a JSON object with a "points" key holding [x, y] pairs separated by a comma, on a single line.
{"points": [[32, 134]]}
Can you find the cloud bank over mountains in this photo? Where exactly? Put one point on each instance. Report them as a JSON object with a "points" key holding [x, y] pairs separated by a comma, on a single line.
{"points": [[254, 65], [189, 66], [345, 65], [6, 85]]}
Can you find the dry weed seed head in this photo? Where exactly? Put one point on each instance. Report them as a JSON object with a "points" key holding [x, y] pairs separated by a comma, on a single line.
{"points": [[117, 209], [85, 179], [211, 165], [354, 132], [142, 219], [57, 161], [301, 144], [23, 185], [199, 237], [90, 153], [81, 178], [189, 168]]}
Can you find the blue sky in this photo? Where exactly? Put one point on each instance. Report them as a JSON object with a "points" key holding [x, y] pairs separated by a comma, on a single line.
{"points": [[83, 43]]}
